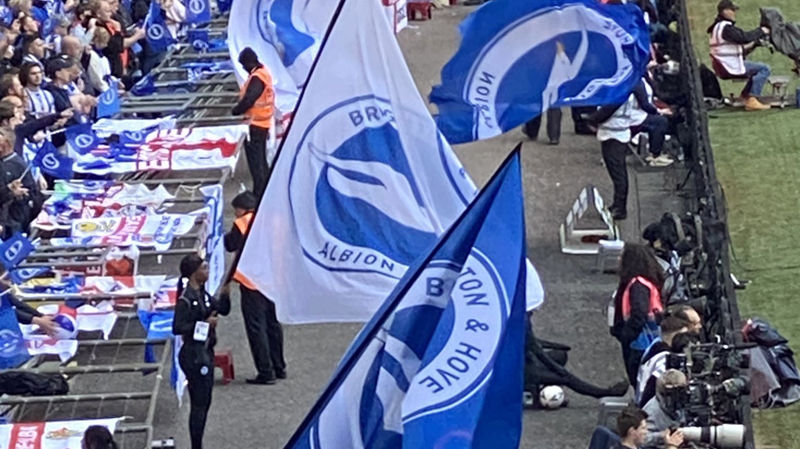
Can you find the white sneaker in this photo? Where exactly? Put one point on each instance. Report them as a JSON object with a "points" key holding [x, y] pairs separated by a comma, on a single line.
{"points": [[661, 161]]}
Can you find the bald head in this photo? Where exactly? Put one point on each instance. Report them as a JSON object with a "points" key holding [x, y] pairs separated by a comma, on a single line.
{"points": [[71, 45]]}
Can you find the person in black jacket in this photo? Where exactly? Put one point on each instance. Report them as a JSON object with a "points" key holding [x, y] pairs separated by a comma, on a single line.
{"points": [[20, 195], [264, 332], [637, 304], [195, 321]]}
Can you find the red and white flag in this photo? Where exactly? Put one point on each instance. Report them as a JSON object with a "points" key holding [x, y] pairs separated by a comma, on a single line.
{"points": [[50, 435]]}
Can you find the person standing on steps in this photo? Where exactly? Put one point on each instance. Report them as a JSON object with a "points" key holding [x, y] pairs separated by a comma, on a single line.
{"points": [[264, 332], [257, 103]]}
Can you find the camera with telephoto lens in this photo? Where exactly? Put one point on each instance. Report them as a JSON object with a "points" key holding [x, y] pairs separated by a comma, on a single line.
{"points": [[717, 382]]}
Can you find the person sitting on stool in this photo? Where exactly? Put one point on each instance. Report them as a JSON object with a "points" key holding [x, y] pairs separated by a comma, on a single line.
{"points": [[264, 332], [729, 45]]}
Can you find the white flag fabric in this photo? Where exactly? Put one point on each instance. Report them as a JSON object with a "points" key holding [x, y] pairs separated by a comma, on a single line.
{"points": [[364, 184], [50, 435]]}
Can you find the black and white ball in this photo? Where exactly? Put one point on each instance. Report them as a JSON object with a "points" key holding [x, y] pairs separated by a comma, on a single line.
{"points": [[551, 397]]}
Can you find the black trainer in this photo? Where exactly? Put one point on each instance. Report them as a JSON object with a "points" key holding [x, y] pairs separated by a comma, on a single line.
{"points": [[262, 380], [280, 373]]}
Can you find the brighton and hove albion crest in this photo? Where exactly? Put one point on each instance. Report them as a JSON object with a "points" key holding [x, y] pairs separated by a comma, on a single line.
{"points": [[435, 352], [353, 195]]}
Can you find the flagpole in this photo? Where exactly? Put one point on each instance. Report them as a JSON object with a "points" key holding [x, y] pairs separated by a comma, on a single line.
{"points": [[278, 152], [369, 334]]}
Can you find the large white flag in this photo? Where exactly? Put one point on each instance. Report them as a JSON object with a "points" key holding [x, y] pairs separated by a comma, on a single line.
{"points": [[364, 185]]}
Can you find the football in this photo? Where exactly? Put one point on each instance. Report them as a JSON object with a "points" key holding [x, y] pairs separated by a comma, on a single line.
{"points": [[551, 397]]}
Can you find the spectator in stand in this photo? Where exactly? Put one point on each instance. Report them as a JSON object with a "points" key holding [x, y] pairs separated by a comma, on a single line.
{"points": [[21, 6], [117, 48], [39, 101], [28, 26], [84, 24], [33, 50], [654, 360], [30, 129], [27, 198], [60, 70], [729, 45], [637, 305], [10, 85], [98, 437], [53, 41], [99, 69]]}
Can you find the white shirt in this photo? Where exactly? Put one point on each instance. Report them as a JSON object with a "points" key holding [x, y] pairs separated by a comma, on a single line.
{"points": [[618, 127]]}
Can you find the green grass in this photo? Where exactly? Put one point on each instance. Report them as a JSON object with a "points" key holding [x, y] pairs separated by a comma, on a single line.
{"points": [[758, 164]]}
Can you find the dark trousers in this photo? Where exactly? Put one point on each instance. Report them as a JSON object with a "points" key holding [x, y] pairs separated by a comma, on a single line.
{"points": [[256, 152], [614, 153], [582, 126], [264, 332], [200, 386], [632, 359], [656, 127], [531, 129]]}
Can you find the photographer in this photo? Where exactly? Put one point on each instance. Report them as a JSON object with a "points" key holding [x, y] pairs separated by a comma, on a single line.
{"points": [[664, 411], [654, 360]]}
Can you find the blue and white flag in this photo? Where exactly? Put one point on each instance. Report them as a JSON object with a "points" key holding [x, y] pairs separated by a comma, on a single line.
{"points": [[364, 184], [14, 250], [285, 34], [198, 11], [156, 31], [198, 39], [158, 325], [145, 86], [518, 59], [52, 162], [13, 352], [6, 16], [22, 275], [82, 138], [441, 363], [136, 137], [224, 5], [108, 103]]}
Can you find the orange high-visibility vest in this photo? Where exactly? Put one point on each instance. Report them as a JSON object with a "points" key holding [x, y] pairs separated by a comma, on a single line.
{"points": [[242, 224], [655, 306], [261, 113]]}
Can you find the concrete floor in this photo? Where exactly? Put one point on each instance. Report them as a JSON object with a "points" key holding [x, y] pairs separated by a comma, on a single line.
{"points": [[244, 416]]}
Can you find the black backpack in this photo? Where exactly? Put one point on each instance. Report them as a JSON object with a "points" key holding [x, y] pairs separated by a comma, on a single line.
{"points": [[710, 83], [20, 383]]}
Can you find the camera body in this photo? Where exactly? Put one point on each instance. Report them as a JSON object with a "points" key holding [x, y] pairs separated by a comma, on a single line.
{"points": [[717, 382]]}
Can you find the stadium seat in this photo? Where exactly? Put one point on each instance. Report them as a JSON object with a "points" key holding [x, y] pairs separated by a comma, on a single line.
{"points": [[223, 359]]}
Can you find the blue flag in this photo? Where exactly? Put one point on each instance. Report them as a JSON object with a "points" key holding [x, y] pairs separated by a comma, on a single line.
{"points": [[198, 11], [22, 275], [108, 103], [518, 59], [6, 16], [82, 138], [52, 162], [13, 352], [158, 325], [224, 5], [15, 250], [442, 359], [144, 86], [135, 137], [158, 36], [198, 39]]}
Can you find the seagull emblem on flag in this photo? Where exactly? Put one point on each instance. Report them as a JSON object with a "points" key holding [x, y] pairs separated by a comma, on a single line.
{"points": [[564, 70]]}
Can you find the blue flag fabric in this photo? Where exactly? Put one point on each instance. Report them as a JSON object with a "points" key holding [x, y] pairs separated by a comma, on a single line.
{"points": [[6, 16], [82, 138], [144, 86], [52, 162], [135, 137], [158, 36], [442, 359], [22, 275], [14, 250], [108, 103], [518, 59], [13, 352], [158, 325], [224, 5], [198, 11], [198, 39]]}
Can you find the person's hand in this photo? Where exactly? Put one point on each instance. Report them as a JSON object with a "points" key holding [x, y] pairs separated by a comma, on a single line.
{"points": [[139, 33], [39, 136], [665, 111], [67, 113], [17, 189], [59, 123], [765, 30], [46, 324], [212, 321], [92, 24], [673, 438]]}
